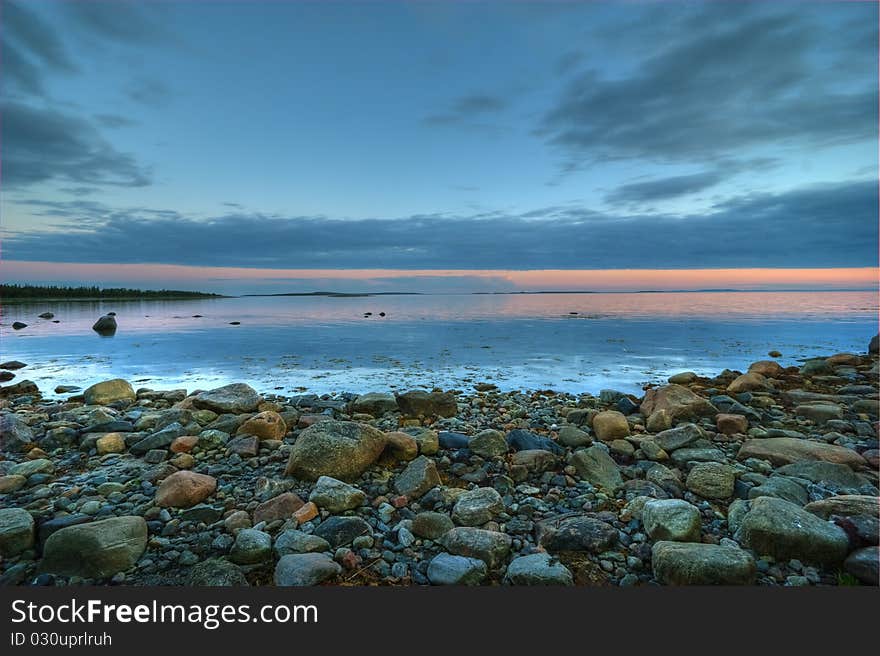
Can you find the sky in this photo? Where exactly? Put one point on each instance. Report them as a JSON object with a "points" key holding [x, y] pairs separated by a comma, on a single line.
{"points": [[439, 146]]}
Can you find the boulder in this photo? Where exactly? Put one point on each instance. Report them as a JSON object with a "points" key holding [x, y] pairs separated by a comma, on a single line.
{"points": [[401, 446], [687, 563], [15, 434], [676, 438], [16, 531], [576, 533], [671, 519], [767, 368], [491, 547], [829, 474], [478, 506], [215, 573], [293, 541], [105, 325], [610, 425], [864, 564], [419, 476], [846, 505], [336, 496], [431, 525], [266, 425], [749, 382], [417, 403], [783, 530], [375, 403], [711, 480], [574, 437], [341, 531], [488, 444], [281, 507], [236, 398], [185, 489], [787, 450], [595, 466], [728, 424], [678, 402], [537, 569], [109, 392], [95, 550], [307, 569], [340, 449], [251, 547], [446, 569]]}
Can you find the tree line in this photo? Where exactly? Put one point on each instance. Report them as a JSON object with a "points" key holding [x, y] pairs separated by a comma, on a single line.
{"points": [[11, 291]]}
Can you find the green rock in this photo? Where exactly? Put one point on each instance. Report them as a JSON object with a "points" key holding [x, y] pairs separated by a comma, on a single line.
{"points": [[97, 549], [108, 392], [689, 563]]}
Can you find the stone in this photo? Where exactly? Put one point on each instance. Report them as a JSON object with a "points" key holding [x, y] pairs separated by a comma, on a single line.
{"points": [[780, 487], [653, 451], [534, 461], [375, 403], [110, 443], [683, 378], [281, 507], [237, 398], [427, 439], [728, 424], [478, 506], [251, 547], [419, 476], [658, 421], [767, 368], [184, 444], [16, 531], [815, 367], [215, 573], [573, 437], [749, 382], [109, 392], [874, 344], [864, 564], [787, 450], [431, 525], [537, 569], [523, 440], [595, 466], [678, 437], [446, 569], [293, 541], [15, 434], [105, 325], [307, 569], [783, 530], [418, 403], [340, 449], [266, 425], [678, 402], [685, 563], [577, 533], [31, 467], [610, 425], [12, 365], [839, 477], [671, 519], [307, 513], [342, 531], [184, 489], [489, 444], [491, 547], [401, 446], [336, 496], [246, 446], [845, 506], [819, 413], [12, 483], [711, 480], [95, 550]]}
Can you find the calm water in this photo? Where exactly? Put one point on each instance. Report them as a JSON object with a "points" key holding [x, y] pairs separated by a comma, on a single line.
{"points": [[319, 344]]}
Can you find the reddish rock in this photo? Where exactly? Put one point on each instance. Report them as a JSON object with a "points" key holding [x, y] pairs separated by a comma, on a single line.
{"points": [[281, 507], [268, 425], [308, 512], [767, 368], [731, 424], [399, 501], [310, 420], [185, 489], [184, 444]]}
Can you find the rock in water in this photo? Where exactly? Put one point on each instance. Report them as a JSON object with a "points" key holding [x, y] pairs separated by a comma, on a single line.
{"points": [[783, 530], [95, 550], [687, 563], [16, 531], [105, 325], [236, 398], [109, 391], [18, 325], [538, 569], [305, 569], [340, 449], [874, 344], [46, 315]]}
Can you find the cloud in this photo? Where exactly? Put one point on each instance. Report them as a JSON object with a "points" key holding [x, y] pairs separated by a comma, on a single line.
{"points": [[119, 20], [469, 110], [817, 226], [48, 145], [664, 188], [728, 82], [149, 91]]}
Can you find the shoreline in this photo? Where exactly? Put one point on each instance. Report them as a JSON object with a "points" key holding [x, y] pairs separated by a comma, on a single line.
{"points": [[770, 476]]}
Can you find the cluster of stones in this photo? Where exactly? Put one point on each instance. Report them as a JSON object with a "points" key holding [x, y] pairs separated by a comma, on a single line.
{"points": [[764, 477]]}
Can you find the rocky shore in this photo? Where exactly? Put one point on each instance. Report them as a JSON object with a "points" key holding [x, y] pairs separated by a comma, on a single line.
{"points": [[767, 477]]}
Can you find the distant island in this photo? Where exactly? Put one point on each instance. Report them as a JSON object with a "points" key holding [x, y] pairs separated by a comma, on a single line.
{"points": [[340, 294], [85, 293]]}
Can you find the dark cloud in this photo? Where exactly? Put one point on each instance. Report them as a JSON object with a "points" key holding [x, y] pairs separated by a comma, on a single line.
{"points": [[664, 188], [19, 73], [731, 79], [30, 32], [149, 91], [469, 110], [119, 20], [114, 121], [820, 226], [48, 145]]}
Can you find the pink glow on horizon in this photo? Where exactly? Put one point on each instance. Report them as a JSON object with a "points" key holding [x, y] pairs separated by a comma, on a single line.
{"points": [[548, 279]]}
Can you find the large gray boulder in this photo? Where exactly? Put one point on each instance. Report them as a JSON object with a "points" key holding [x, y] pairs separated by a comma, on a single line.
{"points": [[375, 403], [671, 519], [595, 466], [419, 476], [340, 449], [689, 563], [305, 569], [15, 434], [95, 550], [16, 531], [236, 398], [108, 392], [537, 569]]}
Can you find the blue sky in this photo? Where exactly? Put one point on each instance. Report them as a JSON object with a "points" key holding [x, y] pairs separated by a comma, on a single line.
{"points": [[496, 135]]}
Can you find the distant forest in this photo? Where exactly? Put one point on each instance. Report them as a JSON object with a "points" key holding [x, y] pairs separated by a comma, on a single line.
{"points": [[8, 292]]}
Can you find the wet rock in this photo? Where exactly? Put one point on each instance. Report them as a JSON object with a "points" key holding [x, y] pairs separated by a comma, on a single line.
{"points": [[610, 425], [417, 403], [491, 547], [729, 424], [266, 425], [281, 507], [236, 398], [431, 525], [577, 533], [780, 487], [678, 402], [401, 446], [298, 570], [864, 564], [446, 569], [711, 480], [477, 506], [293, 541], [251, 547], [488, 444], [574, 437], [109, 392], [767, 368], [787, 450], [15, 434], [537, 569], [342, 531], [845, 506], [749, 382], [523, 440], [105, 325], [215, 573], [678, 437], [375, 403]]}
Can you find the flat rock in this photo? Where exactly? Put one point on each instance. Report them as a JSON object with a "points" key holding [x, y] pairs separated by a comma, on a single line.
{"points": [[595, 466], [184, 489], [787, 450], [336, 496], [671, 519], [299, 570], [537, 569], [419, 476], [491, 547], [95, 550], [685, 563], [236, 398], [447, 569]]}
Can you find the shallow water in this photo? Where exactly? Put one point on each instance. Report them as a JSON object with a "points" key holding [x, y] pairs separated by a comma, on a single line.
{"points": [[321, 344]]}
